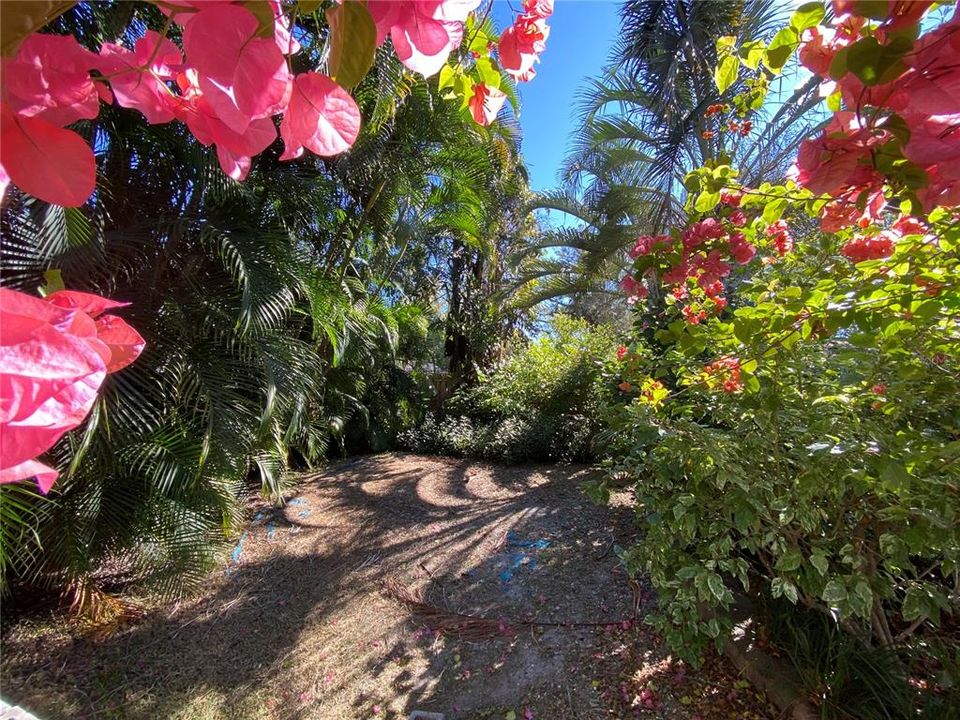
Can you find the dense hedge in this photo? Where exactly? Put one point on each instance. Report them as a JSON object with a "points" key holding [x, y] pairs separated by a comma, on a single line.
{"points": [[546, 401]]}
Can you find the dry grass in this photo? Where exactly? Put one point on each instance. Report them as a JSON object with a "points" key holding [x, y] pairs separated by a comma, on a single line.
{"points": [[299, 627]]}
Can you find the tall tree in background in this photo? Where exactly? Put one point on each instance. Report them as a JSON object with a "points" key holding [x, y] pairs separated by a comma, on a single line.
{"points": [[270, 308], [645, 123]]}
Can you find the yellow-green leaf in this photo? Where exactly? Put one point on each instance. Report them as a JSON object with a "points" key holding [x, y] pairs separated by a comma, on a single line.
{"points": [[353, 42], [807, 15], [751, 53], [781, 48], [725, 74]]}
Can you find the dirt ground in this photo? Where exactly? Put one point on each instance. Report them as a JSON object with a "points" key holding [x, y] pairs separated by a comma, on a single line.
{"points": [[298, 626]]}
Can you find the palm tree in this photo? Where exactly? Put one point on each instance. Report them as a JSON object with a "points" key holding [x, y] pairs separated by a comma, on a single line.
{"points": [[643, 124], [267, 307]]}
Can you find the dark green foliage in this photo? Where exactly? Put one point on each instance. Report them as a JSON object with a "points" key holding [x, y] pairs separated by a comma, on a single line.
{"points": [[546, 401], [848, 680], [284, 316]]}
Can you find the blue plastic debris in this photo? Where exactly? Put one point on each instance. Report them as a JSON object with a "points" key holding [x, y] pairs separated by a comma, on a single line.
{"points": [[271, 531], [303, 513], [297, 501], [514, 541], [523, 557], [238, 550], [261, 514]]}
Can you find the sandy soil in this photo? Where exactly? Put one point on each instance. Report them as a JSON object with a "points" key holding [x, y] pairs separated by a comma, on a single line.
{"points": [[298, 626]]}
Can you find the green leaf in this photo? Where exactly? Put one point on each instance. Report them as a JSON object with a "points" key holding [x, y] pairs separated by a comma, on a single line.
{"points": [[725, 73], [706, 201], [820, 562], [834, 592], [447, 77], [773, 210], [52, 281], [353, 42], [789, 561], [874, 63], [488, 73], [751, 53], [806, 16], [717, 588], [781, 48]]}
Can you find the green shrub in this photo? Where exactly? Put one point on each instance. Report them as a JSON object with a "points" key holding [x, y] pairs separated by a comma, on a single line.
{"points": [[820, 487], [546, 401]]}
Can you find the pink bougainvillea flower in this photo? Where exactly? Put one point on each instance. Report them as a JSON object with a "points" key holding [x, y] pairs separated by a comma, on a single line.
{"points": [[4, 183], [45, 475], [864, 247], [235, 67], [109, 334], [321, 117], [141, 90], [234, 149], [934, 140], [740, 249], [522, 43], [46, 161], [282, 32], [424, 32], [48, 380], [49, 77], [417, 55], [485, 103], [53, 359], [833, 161]]}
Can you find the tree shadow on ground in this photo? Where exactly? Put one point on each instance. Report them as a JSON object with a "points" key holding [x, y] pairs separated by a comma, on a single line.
{"points": [[298, 627]]}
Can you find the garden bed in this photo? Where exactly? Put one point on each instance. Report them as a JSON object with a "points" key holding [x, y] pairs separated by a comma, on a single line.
{"points": [[298, 625]]}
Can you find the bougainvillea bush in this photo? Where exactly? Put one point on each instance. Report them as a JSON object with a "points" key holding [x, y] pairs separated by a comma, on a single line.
{"points": [[795, 429]]}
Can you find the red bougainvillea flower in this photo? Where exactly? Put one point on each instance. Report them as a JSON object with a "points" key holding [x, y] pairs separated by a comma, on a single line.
{"points": [[692, 316], [46, 161], [622, 352], [538, 8], [779, 233], [145, 91], [485, 103], [725, 371], [521, 44], [54, 355], [49, 77], [864, 247], [321, 117], [733, 198]]}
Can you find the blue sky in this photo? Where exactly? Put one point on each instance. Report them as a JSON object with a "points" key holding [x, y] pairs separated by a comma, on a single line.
{"points": [[581, 34]]}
